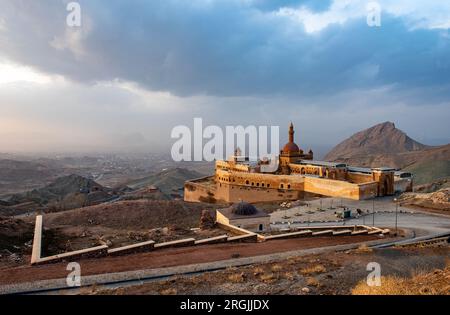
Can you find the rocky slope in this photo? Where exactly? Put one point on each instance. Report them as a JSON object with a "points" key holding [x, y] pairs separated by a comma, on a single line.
{"points": [[383, 138], [67, 192], [439, 200], [169, 182], [385, 145]]}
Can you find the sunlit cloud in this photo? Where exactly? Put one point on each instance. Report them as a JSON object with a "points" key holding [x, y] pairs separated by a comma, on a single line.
{"points": [[15, 73]]}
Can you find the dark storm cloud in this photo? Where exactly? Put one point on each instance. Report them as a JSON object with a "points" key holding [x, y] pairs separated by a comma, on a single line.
{"points": [[222, 48]]}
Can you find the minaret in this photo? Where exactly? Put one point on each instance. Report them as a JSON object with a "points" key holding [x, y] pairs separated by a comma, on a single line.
{"points": [[291, 133], [290, 152]]}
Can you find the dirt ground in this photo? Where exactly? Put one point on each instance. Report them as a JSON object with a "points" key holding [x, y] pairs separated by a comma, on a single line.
{"points": [[121, 223], [430, 210], [70, 238], [404, 271], [437, 201], [15, 241], [135, 214], [173, 257]]}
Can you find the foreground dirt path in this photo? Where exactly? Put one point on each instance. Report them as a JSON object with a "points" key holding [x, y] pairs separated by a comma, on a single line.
{"points": [[173, 257], [404, 271]]}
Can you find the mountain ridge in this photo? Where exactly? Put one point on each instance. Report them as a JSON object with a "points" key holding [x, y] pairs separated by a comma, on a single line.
{"points": [[379, 139], [385, 145]]}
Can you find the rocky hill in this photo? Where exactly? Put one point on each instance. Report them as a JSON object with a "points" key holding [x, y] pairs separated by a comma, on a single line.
{"points": [[385, 145], [170, 182], [18, 176], [383, 138], [64, 193]]}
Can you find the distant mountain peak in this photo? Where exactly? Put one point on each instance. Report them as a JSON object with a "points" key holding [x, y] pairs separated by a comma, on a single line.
{"points": [[383, 138]]}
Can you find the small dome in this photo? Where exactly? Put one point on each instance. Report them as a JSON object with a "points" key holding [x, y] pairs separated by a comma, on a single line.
{"points": [[243, 208]]}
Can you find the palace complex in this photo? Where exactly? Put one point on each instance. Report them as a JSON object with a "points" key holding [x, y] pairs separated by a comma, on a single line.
{"points": [[292, 175]]}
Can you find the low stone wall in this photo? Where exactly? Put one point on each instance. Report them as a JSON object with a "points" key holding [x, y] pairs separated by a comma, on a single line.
{"points": [[360, 232], [212, 240], [178, 243], [132, 249], [37, 241], [250, 238], [94, 252], [328, 227], [342, 232], [324, 232], [288, 235], [375, 231], [233, 229]]}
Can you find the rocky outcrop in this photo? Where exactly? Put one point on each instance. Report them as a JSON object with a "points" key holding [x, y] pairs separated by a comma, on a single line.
{"points": [[385, 145], [383, 138]]}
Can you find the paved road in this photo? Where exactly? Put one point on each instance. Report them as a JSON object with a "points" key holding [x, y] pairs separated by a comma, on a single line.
{"points": [[329, 206]]}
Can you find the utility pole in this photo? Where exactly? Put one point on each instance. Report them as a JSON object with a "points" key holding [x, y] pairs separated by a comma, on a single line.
{"points": [[373, 210], [396, 215]]}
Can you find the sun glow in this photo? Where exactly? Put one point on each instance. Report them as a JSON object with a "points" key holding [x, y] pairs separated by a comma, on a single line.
{"points": [[12, 73]]}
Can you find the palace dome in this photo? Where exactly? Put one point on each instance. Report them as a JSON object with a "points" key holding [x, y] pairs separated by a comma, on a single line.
{"points": [[243, 208], [290, 147]]}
